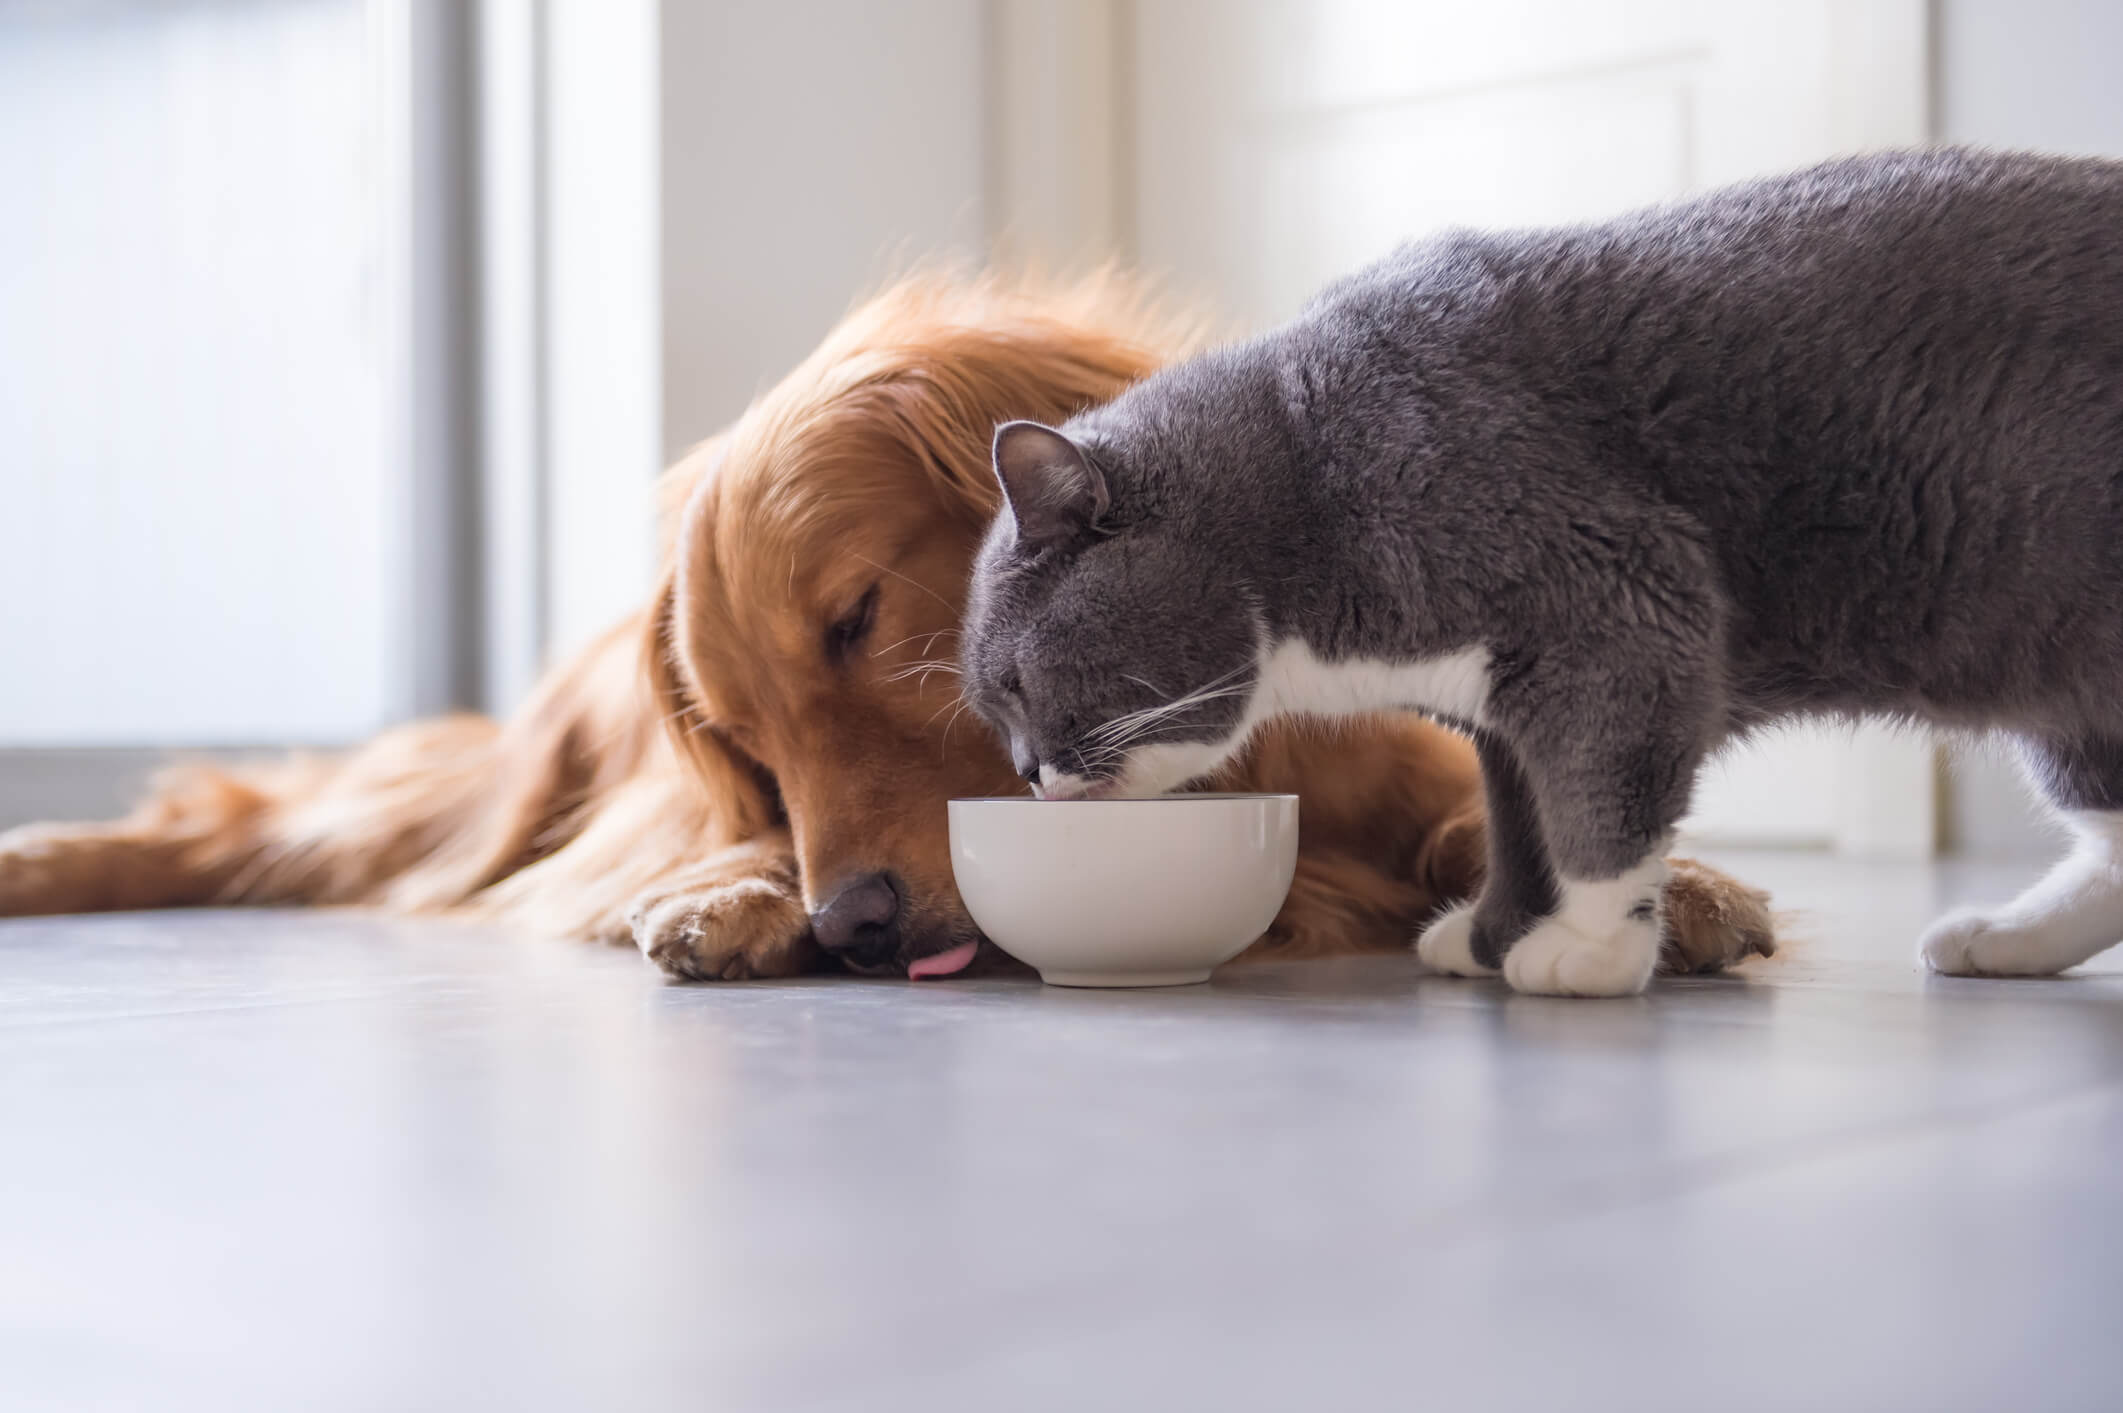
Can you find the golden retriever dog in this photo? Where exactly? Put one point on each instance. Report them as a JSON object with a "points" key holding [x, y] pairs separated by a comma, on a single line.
{"points": [[747, 778]]}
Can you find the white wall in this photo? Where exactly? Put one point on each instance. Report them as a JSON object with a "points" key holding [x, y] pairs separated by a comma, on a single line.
{"points": [[193, 542], [2032, 73], [809, 150], [719, 182]]}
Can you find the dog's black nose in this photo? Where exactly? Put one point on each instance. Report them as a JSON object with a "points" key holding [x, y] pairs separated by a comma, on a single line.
{"points": [[860, 923]]}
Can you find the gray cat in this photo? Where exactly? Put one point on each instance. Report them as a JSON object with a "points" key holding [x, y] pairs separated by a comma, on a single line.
{"points": [[1840, 443]]}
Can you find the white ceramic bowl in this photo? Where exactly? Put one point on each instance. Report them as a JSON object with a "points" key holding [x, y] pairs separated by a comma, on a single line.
{"points": [[1124, 892]]}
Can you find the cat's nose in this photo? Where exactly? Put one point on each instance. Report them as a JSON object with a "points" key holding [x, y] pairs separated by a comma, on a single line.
{"points": [[860, 923]]}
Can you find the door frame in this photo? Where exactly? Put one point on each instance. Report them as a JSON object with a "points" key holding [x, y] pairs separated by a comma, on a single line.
{"points": [[570, 327]]}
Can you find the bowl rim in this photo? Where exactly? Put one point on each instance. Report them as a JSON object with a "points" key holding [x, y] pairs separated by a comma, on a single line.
{"points": [[1194, 798]]}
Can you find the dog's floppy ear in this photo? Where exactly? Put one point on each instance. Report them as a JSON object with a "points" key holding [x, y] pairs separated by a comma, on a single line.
{"points": [[1051, 488], [745, 797]]}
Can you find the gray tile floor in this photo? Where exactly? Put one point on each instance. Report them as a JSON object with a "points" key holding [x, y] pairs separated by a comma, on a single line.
{"points": [[338, 1162]]}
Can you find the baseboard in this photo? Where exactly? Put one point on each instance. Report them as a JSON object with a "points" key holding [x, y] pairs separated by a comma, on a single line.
{"points": [[92, 782]]}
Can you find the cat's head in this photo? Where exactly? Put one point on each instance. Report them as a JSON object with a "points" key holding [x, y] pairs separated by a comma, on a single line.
{"points": [[1110, 643]]}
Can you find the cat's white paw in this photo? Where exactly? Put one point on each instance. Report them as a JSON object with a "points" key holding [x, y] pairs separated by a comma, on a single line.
{"points": [[1602, 941], [1559, 958], [1447, 944], [1967, 942], [2068, 915]]}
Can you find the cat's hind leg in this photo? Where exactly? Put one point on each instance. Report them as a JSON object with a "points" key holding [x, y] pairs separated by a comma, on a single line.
{"points": [[2076, 909]]}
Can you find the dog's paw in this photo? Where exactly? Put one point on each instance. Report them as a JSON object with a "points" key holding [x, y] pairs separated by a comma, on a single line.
{"points": [[1712, 921], [1560, 958], [742, 930], [1447, 944], [1968, 942]]}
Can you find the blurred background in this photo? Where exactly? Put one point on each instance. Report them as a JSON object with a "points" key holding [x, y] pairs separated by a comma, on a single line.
{"points": [[340, 340]]}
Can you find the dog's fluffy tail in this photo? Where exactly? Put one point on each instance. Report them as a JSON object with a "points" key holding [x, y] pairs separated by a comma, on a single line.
{"points": [[423, 816]]}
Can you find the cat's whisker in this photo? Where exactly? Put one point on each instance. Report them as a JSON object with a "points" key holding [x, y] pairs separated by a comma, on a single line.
{"points": [[1097, 758], [922, 682], [1121, 727], [960, 701], [910, 583], [1208, 691], [1149, 729], [963, 704], [923, 638], [923, 669]]}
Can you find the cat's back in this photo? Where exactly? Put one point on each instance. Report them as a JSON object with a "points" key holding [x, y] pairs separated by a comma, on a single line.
{"points": [[1832, 243], [1843, 300], [1897, 309], [1828, 244], [1888, 391]]}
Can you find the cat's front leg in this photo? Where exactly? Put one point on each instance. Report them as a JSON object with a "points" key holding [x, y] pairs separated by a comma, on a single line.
{"points": [[1608, 781], [1602, 940], [1518, 890], [1550, 932]]}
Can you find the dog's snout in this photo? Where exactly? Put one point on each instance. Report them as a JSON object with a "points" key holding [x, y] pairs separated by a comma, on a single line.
{"points": [[860, 923]]}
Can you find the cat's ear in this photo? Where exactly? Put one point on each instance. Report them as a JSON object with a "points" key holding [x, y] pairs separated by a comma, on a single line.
{"points": [[1051, 489]]}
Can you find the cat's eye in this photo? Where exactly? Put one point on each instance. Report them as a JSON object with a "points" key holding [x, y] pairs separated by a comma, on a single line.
{"points": [[849, 630], [1010, 685]]}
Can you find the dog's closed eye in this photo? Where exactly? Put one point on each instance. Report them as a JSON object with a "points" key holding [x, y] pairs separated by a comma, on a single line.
{"points": [[848, 631]]}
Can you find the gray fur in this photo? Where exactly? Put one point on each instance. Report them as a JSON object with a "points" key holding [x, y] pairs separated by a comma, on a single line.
{"points": [[1844, 442]]}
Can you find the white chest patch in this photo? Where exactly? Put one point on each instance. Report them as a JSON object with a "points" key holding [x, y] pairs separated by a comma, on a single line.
{"points": [[1294, 681]]}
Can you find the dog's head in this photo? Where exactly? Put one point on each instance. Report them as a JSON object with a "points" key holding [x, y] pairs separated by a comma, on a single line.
{"points": [[805, 635]]}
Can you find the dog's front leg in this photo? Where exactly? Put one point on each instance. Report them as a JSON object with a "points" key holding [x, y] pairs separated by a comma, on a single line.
{"points": [[735, 916]]}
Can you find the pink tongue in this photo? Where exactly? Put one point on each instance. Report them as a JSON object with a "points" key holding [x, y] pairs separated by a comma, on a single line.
{"points": [[943, 963]]}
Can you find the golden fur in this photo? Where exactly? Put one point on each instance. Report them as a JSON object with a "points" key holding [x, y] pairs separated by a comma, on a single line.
{"points": [[704, 775]]}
